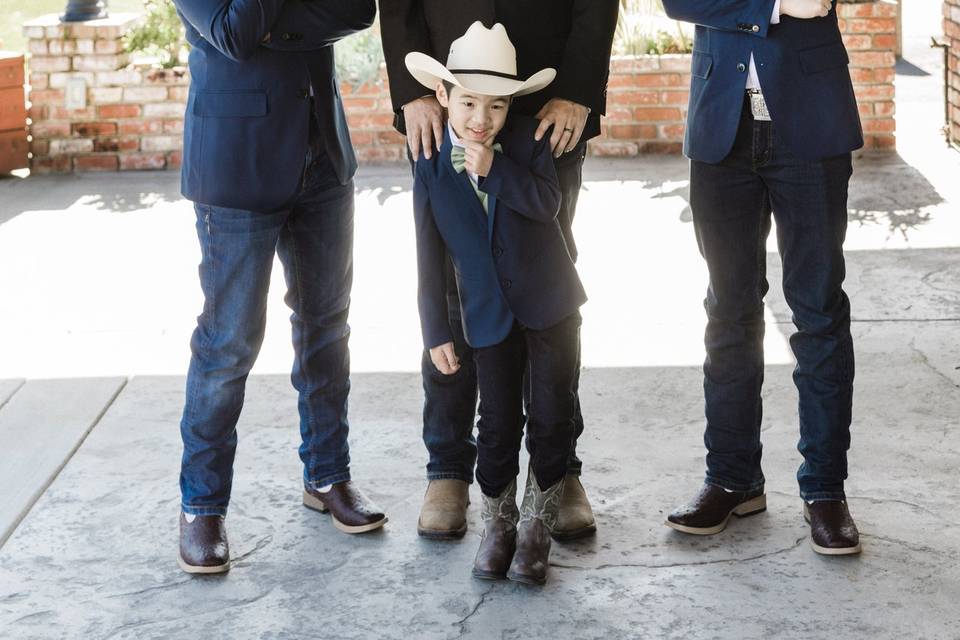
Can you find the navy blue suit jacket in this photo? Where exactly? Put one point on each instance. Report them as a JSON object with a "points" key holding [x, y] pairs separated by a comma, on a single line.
{"points": [[510, 264], [248, 113], [803, 71]]}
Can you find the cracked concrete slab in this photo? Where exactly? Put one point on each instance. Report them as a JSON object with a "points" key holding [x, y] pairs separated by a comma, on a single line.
{"points": [[41, 426], [8, 388], [96, 556]]}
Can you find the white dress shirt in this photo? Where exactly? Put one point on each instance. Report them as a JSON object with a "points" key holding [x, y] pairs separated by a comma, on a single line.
{"points": [[753, 80]]}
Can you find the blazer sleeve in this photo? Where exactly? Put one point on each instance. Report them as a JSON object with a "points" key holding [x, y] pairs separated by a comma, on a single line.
{"points": [[236, 28], [403, 28], [582, 75], [532, 191], [305, 25], [431, 274], [752, 17]]}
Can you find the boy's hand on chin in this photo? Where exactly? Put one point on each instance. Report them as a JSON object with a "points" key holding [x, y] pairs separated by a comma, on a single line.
{"points": [[445, 359], [478, 157]]}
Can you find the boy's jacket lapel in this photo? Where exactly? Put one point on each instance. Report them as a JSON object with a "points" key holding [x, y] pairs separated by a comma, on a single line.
{"points": [[462, 180]]}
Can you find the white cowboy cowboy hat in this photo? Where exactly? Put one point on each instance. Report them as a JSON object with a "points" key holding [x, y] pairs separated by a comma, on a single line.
{"points": [[482, 61]]}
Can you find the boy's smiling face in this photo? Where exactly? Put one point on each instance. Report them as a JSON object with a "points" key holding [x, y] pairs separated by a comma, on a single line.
{"points": [[474, 117]]}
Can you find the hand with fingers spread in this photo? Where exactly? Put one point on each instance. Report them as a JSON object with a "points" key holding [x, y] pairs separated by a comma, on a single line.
{"points": [[478, 157], [568, 119], [424, 120], [445, 359], [805, 9]]}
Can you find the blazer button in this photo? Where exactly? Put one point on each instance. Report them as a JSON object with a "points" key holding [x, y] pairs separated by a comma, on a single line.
{"points": [[507, 284], [755, 28], [741, 67], [497, 252], [286, 36]]}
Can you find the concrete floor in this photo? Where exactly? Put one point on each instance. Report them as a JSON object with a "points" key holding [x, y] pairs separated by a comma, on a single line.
{"points": [[98, 274]]}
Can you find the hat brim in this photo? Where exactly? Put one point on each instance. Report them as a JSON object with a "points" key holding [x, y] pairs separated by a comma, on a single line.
{"points": [[429, 72]]}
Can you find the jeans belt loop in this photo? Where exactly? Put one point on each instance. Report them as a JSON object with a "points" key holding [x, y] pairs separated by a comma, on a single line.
{"points": [[758, 105]]}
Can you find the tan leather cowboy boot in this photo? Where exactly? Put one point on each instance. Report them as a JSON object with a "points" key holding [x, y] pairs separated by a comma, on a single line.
{"points": [[499, 539], [538, 518], [576, 516], [444, 512]]}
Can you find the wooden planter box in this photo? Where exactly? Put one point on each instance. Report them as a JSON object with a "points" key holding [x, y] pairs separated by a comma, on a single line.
{"points": [[13, 114]]}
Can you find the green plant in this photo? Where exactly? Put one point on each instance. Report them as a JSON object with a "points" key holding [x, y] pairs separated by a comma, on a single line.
{"points": [[159, 35], [642, 28], [359, 57]]}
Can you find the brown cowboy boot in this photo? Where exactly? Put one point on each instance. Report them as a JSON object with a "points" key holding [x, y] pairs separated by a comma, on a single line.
{"points": [[443, 515], [203, 544], [576, 516], [538, 519], [499, 539]]}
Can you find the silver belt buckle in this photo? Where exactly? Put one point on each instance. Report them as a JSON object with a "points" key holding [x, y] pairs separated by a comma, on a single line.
{"points": [[758, 106]]}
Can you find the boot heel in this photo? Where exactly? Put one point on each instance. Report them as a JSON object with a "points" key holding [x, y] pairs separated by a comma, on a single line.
{"points": [[752, 506], [314, 503]]}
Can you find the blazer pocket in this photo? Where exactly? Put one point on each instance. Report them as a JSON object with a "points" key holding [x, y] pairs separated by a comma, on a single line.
{"points": [[701, 64], [822, 58], [230, 104]]}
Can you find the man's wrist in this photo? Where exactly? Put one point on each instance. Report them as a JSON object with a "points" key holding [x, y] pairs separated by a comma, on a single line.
{"points": [[573, 102], [429, 95]]}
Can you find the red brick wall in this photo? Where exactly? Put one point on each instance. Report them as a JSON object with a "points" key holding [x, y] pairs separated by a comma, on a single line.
{"points": [[646, 106], [134, 116], [870, 34], [951, 31]]}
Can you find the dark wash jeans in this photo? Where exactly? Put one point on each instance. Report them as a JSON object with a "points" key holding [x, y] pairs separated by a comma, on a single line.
{"points": [[732, 203], [450, 402], [314, 239], [541, 365]]}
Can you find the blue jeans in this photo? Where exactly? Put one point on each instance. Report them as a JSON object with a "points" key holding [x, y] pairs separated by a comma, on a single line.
{"points": [[732, 202], [314, 239], [450, 402]]}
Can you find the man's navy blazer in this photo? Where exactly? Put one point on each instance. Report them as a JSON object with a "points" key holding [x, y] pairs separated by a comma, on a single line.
{"points": [[802, 65], [253, 64], [510, 264]]}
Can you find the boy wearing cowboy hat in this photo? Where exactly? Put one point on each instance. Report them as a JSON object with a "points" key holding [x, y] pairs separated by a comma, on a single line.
{"points": [[489, 199]]}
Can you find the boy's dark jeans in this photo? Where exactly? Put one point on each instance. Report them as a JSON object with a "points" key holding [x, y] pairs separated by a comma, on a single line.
{"points": [[314, 239], [547, 362], [732, 203], [450, 402]]}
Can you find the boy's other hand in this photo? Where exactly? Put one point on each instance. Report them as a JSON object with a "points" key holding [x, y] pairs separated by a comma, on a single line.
{"points": [[477, 157], [424, 120], [568, 120], [805, 9], [445, 359]]}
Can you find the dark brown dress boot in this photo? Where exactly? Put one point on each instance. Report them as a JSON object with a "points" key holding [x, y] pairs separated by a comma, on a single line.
{"points": [[710, 510], [203, 544], [352, 511], [538, 519], [832, 530], [499, 539]]}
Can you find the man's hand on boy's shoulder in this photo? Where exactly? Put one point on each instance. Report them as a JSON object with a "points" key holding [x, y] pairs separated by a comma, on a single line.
{"points": [[568, 120], [423, 118], [445, 359], [478, 158]]}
